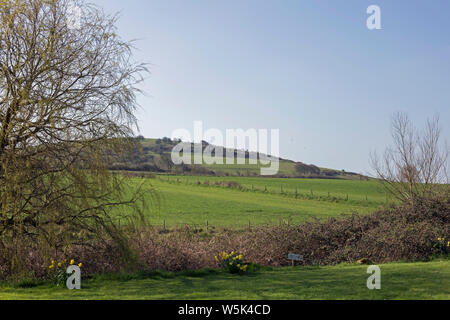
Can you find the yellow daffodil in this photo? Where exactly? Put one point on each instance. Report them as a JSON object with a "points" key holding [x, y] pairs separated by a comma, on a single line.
{"points": [[51, 267], [72, 261], [60, 264], [80, 264]]}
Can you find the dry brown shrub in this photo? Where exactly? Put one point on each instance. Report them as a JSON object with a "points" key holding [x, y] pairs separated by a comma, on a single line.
{"points": [[400, 233]]}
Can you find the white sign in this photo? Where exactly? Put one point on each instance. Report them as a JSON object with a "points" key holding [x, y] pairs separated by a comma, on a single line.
{"points": [[295, 257]]}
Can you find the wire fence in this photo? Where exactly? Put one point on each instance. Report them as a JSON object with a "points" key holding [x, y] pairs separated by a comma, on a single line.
{"points": [[289, 192], [296, 193], [207, 226]]}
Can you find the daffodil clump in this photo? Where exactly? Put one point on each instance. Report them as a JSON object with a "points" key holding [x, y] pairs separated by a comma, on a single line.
{"points": [[232, 262], [58, 270], [443, 245]]}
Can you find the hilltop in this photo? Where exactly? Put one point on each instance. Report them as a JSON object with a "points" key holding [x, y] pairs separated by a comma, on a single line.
{"points": [[154, 155]]}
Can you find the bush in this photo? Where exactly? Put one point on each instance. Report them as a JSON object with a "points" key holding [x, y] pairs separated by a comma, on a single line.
{"points": [[442, 245], [232, 262], [233, 184], [57, 271], [404, 232]]}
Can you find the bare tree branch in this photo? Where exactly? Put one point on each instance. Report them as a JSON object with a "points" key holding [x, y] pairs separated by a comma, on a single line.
{"points": [[417, 164]]}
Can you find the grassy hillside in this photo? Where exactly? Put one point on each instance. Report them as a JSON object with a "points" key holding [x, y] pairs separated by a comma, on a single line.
{"points": [[398, 281], [154, 155], [236, 201], [358, 192]]}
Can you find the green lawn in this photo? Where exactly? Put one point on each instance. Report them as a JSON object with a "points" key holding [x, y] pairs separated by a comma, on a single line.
{"points": [[429, 280], [183, 201]]}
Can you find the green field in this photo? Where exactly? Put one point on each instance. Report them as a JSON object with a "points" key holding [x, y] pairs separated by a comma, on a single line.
{"points": [[429, 280], [232, 167], [188, 200], [355, 189]]}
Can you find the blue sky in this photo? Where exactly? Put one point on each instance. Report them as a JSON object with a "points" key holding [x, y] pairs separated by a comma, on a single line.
{"points": [[310, 68]]}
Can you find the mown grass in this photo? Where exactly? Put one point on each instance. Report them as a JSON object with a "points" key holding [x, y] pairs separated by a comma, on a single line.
{"points": [[264, 201], [422, 280]]}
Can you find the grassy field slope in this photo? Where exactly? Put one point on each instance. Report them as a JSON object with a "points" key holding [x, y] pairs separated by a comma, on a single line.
{"points": [[188, 200], [398, 281]]}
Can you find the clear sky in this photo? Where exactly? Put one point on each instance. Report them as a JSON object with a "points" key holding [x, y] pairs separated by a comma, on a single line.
{"points": [[310, 68]]}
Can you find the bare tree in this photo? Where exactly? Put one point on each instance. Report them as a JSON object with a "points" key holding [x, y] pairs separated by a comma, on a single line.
{"points": [[416, 166], [67, 98]]}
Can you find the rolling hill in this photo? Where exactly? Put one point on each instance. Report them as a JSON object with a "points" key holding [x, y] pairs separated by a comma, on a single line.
{"points": [[154, 155]]}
